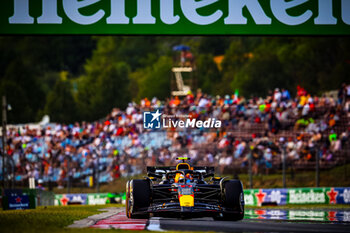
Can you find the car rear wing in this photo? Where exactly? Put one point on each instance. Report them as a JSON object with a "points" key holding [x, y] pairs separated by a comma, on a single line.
{"points": [[159, 171]]}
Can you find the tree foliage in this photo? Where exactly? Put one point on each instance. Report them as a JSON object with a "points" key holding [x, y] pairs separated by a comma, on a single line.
{"points": [[60, 104], [208, 74], [105, 82], [21, 86], [109, 71], [154, 80], [29, 67]]}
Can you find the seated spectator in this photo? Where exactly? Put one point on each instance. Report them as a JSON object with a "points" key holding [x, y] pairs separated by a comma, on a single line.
{"points": [[273, 123]]}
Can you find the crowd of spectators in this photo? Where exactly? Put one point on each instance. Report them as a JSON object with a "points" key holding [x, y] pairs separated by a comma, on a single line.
{"points": [[300, 127]]}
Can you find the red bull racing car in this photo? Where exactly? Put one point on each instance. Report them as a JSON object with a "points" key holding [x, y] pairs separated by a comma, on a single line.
{"points": [[186, 192]]}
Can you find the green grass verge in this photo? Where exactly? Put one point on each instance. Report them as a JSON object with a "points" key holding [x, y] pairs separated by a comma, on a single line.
{"points": [[55, 219], [51, 219]]}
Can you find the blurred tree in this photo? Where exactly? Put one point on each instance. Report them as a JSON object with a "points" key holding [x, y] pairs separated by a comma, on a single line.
{"points": [[318, 64], [105, 82], [208, 74], [21, 112], [234, 59], [29, 68], [103, 89], [47, 53], [21, 86], [135, 51], [214, 45], [154, 81], [60, 104], [260, 74]]}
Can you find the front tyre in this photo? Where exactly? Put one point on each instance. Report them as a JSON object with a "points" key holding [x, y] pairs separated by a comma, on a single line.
{"points": [[138, 195], [233, 199]]}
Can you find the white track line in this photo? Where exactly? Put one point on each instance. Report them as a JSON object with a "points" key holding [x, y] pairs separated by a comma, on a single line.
{"points": [[154, 224]]}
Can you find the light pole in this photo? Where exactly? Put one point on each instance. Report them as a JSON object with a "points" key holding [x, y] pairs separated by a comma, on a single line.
{"points": [[284, 166], [68, 158], [250, 167], [4, 133], [98, 172], [317, 165]]}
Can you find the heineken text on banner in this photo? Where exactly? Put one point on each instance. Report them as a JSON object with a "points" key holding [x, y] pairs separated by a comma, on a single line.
{"points": [[171, 17], [258, 197]]}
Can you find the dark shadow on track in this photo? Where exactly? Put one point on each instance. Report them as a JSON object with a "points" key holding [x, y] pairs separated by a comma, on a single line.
{"points": [[248, 225]]}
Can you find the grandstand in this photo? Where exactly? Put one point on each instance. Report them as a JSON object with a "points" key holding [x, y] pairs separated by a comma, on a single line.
{"points": [[303, 128]]}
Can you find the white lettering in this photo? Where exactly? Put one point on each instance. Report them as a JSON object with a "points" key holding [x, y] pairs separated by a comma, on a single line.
{"points": [[212, 123], [174, 123], [19, 205], [167, 12], [191, 123], [299, 197], [189, 8], [165, 125], [144, 15], [71, 7], [325, 13], [199, 124], [249, 199], [296, 214], [206, 124], [181, 124], [209, 123], [279, 9], [118, 13], [96, 200], [21, 13], [345, 11], [49, 14], [235, 12]]}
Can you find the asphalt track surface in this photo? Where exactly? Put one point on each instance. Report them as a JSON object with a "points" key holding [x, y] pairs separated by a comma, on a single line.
{"points": [[248, 225], [120, 221]]}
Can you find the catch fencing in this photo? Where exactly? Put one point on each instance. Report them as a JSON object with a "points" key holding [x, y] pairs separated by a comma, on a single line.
{"points": [[252, 197]]}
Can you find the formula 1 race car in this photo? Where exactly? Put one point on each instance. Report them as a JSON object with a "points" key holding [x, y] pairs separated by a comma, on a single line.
{"points": [[186, 192]]}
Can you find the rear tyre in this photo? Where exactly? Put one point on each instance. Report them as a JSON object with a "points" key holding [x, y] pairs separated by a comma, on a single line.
{"points": [[233, 199], [137, 198], [127, 199]]}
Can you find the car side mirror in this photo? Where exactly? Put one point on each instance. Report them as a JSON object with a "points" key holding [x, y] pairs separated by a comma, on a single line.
{"points": [[153, 175]]}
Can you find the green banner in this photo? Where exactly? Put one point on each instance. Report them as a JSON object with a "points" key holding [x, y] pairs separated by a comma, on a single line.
{"points": [[340, 215], [172, 17], [327, 195], [97, 199], [89, 199], [308, 196]]}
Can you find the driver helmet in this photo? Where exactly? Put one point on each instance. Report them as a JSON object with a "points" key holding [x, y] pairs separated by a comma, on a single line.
{"points": [[179, 178], [189, 178]]}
